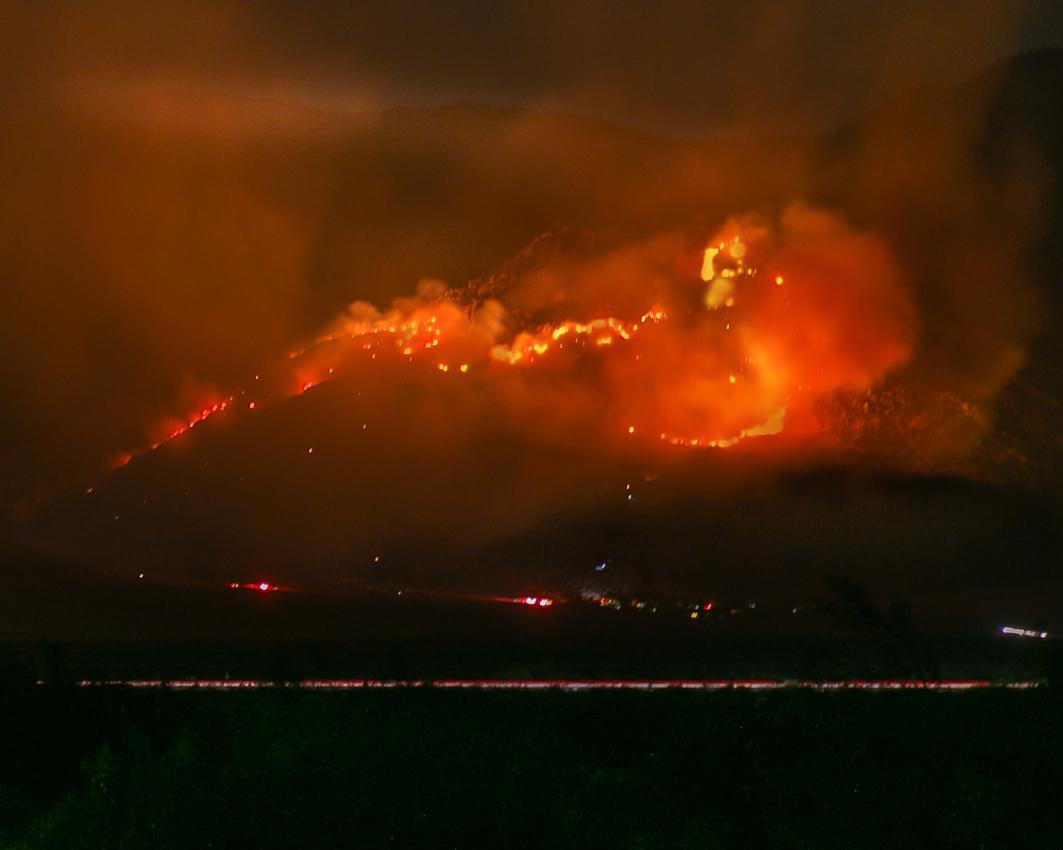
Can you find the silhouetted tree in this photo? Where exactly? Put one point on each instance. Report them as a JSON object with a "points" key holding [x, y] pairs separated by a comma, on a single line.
{"points": [[51, 664], [16, 673], [396, 662], [903, 653]]}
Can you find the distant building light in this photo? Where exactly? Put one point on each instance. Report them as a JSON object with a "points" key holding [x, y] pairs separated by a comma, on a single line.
{"points": [[1026, 633]]}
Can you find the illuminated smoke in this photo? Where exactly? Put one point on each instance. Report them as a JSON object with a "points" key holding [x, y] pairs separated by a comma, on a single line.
{"points": [[739, 337]]}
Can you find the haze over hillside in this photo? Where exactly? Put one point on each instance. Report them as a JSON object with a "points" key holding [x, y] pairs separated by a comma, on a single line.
{"points": [[165, 242], [262, 231]]}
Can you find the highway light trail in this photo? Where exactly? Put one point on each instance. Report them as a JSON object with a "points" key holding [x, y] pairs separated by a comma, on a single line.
{"points": [[568, 685]]}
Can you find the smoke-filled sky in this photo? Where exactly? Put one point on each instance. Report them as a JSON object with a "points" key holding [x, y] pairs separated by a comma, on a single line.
{"points": [[679, 65], [209, 206]]}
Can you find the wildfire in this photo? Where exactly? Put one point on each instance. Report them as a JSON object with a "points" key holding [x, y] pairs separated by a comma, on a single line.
{"points": [[422, 330], [720, 359], [200, 416], [526, 347]]}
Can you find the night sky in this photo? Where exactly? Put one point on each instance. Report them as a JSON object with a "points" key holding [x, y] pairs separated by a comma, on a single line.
{"points": [[729, 297], [675, 66]]}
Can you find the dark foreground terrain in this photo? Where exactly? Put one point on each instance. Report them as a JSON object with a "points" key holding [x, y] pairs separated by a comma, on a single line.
{"points": [[116, 768]]}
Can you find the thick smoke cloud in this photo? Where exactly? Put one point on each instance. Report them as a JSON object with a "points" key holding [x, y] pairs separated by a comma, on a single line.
{"points": [[797, 307]]}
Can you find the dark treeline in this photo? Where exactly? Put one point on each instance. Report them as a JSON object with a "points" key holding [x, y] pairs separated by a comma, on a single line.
{"points": [[113, 768], [625, 650]]}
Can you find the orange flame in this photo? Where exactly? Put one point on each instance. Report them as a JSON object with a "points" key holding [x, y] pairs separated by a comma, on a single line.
{"points": [[727, 371]]}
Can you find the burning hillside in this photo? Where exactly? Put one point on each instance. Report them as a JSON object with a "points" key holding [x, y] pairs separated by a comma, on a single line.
{"points": [[660, 340]]}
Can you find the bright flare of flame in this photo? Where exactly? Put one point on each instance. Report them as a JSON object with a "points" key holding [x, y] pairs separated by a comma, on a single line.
{"points": [[707, 270]]}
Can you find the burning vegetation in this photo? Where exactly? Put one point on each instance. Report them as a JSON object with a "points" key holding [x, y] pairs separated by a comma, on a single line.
{"points": [[707, 345]]}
